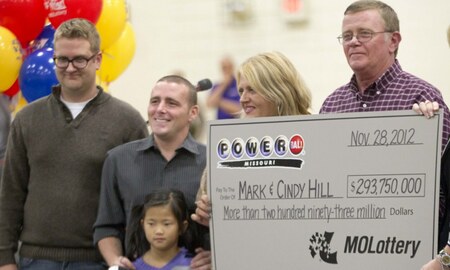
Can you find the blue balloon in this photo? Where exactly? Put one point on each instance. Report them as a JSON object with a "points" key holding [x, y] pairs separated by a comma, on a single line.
{"points": [[45, 38], [37, 74]]}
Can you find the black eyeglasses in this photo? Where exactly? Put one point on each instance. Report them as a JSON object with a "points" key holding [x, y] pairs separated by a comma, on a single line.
{"points": [[362, 36], [78, 62]]}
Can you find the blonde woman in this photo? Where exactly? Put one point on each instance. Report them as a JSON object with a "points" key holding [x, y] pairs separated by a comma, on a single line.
{"points": [[268, 85]]}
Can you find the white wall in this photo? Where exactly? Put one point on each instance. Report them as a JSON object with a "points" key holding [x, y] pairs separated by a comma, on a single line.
{"points": [[193, 35]]}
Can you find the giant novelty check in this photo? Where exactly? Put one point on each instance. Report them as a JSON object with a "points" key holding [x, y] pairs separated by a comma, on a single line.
{"points": [[345, 191]]}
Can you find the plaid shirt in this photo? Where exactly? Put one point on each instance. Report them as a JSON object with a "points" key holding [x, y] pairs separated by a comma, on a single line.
{"points": [[394, 90]]}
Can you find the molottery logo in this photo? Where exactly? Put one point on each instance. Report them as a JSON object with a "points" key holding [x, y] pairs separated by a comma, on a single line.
{"points": [[263, 152], [321, 244], [367, 244]]}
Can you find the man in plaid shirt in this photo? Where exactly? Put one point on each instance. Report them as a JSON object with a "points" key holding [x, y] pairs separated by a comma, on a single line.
{"points": [[370, 39]]}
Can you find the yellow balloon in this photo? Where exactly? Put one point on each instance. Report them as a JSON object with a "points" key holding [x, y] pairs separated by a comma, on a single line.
{"points": [[118, 56], [19, 102], [111, 22], [10, 58], [103, 84]]}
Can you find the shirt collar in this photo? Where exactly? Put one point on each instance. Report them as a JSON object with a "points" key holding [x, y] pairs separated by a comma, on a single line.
{"points": [[382, 83], [388, 76], [189, 144], [101, 96]]}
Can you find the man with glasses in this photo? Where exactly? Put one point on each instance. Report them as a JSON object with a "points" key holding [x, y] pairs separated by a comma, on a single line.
{"points": [[50, 188], [370, 39]]}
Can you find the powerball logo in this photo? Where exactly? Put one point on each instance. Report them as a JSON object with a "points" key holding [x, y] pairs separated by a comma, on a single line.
{"points": [[253, 152]]}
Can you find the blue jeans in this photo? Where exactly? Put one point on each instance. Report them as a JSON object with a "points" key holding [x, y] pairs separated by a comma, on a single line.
{"points": [[32, 264]]}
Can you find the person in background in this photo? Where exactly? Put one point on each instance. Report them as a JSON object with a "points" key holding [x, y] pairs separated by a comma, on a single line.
{"points": [[158, 235], [448, 35], [5, 122], [268, 85], [168, 158], [50, 188], [442, 260], [224, 96]]}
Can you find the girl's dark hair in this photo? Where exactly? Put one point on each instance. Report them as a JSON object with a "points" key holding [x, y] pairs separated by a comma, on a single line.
{"points": [[136, 242]]}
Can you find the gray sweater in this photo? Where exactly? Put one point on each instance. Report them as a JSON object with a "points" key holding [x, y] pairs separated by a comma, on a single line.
{"points": [[5, 121], [50, 189]]}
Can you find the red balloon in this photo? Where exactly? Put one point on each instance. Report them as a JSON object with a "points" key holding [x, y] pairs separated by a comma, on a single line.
{"points": [[25, 18], [63, 10], [13, 90]]}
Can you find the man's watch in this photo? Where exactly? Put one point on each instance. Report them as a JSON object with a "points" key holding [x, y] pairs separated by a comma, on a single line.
{"points": [[445, 258]]}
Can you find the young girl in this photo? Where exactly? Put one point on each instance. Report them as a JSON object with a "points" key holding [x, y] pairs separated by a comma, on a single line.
{"points": [[158, 237]]}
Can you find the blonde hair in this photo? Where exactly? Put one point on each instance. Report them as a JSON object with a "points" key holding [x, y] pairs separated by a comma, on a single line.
{"points": [[448, 35], [79, 28], [275, 78], [203, 185]]}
